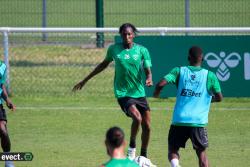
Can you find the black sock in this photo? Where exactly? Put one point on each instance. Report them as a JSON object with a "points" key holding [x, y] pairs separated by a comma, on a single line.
{"points": [[144, 152], [132, 144]]}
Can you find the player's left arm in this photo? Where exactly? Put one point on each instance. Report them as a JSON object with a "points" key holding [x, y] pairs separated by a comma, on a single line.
{"points": [[147, 65], [149, 81], [215, 88]]}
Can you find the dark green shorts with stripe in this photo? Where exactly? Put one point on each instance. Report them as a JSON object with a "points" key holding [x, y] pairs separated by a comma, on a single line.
{"points": [[178, 136], [140, 103]]}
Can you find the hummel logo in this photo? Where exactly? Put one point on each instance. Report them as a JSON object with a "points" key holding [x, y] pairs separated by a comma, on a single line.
{"points": [[135, 57], [224, 62]]}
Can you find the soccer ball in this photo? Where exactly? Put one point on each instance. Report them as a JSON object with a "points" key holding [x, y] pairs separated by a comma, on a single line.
{"points": [[143, 161]]}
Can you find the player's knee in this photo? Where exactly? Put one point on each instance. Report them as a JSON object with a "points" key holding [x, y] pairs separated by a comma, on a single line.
{"points": [[200, 151], [136, 116], [3, 129], [137, 119]]}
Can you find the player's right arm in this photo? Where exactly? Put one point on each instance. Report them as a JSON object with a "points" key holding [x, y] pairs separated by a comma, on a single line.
{"points": [[170, 78], [158, 88], [99, 68]]}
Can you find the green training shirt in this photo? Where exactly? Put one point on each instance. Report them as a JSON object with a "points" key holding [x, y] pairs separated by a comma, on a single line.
{"points": [[2, 78], [120, 163], [128, 80], [213, 85]]}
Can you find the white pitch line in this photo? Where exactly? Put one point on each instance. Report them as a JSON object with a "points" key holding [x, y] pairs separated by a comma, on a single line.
{"points": [[117, 108]]}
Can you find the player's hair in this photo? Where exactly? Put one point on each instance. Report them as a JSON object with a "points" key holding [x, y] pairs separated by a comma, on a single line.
{"points": [[126, 25], [195, 52], [115, 137]]}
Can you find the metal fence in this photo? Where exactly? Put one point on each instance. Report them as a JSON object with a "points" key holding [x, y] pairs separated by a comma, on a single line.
{"points": [[142, 13], [52, 67]]}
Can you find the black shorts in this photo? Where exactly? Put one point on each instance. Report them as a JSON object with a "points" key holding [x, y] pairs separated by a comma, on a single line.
{"points": [[140, 103], [3, 116], [178, 136]]}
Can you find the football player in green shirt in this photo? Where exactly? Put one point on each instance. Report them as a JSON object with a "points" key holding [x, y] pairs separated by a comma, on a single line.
{"points": [[131, 60], [115, 145], [5, 140], [197, 87]]}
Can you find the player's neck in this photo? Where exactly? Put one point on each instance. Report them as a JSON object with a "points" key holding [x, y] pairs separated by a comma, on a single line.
{"points": [[195, 64], [118, 154], [128, 45]]}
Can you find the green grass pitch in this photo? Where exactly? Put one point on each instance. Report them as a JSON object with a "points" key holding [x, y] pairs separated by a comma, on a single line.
{"points": [[65, 129], [73, 135]]}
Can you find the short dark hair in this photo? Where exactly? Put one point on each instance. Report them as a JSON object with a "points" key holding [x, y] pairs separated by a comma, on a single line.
{"points": [[195, 52], [126, 25], [115, 137]]}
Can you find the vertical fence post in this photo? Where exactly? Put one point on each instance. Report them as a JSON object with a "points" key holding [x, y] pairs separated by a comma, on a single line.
{"points": [[6, 58], [44, 19], [187, 14], [99, 23]]}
